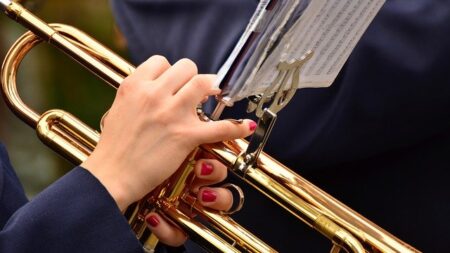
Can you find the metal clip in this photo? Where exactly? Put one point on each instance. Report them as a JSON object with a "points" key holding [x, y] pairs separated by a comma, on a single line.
{"points": [[257, 142], [278, 98], [280, 92]]}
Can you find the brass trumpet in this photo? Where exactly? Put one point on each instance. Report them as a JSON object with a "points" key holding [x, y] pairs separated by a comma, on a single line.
{"points": [[347, 230]]}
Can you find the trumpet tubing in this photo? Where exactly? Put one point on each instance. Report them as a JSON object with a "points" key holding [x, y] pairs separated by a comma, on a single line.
{"points": [[74, 140]]}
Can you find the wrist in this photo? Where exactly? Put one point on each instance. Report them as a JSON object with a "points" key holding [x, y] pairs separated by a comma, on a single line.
{"points": [[114, 184]]}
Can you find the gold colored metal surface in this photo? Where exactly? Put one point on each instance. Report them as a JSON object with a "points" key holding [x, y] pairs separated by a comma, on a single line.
{"points": [[348, 230]]}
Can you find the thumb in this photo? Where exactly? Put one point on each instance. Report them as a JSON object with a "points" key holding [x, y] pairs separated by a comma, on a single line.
{"points": [[222, 130]]}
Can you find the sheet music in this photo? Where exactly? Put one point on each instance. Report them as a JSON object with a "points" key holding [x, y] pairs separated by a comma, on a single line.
{"points": [[331, 28]]}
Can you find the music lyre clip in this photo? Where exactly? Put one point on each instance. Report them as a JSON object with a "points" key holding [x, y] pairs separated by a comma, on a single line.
{"points": [[278, 95]]}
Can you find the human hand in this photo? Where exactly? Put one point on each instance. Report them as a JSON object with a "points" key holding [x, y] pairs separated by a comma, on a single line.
{"points": [[153, 125], [207, 172]]}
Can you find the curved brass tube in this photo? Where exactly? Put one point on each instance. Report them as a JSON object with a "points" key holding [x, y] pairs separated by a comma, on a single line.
{"points": [[348, 230]]}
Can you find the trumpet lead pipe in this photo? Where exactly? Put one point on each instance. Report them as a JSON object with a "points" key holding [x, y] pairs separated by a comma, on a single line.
{"points": [[48, 34], [4, 4]]}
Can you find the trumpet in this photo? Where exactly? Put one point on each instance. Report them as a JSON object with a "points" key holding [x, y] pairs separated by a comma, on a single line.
{"points": [[348, 231]]}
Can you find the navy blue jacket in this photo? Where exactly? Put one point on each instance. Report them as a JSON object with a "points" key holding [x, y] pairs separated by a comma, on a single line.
{"points": [[74, 214], [378, 139]]}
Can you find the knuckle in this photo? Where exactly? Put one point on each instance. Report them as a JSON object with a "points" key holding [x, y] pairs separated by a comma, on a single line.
{"points": [[149, 95], [126, 87], [159, 59], [189, 65], [126, 82], [201, 83]]}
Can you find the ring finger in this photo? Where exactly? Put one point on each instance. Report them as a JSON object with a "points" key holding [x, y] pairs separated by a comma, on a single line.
{"points": [[216, 198]]}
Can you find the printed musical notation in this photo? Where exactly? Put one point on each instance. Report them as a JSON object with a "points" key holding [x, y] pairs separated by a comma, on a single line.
{"points": [[284, 30]]}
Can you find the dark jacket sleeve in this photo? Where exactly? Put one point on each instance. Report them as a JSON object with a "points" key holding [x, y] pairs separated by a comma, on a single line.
{"points": [[12, 195], [74, 214]]}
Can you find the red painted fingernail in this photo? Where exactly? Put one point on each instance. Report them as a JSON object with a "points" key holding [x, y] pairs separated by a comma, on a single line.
{"points": [[152, 220], [209, 196], [252, 126], [207, 169]]}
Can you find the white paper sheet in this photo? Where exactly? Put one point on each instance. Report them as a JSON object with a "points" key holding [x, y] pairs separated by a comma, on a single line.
{"points": [[331, 28]]}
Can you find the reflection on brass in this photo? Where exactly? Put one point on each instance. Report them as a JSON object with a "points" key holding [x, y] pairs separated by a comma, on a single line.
{"points": [[347, 230]]}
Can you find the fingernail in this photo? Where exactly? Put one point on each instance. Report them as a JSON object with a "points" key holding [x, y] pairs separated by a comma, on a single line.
{"points": [[209, 196], [207, 169], [152, 220], [252, 125]]}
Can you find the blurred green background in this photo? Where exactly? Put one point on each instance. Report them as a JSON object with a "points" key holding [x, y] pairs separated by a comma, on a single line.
{"points": [[49, 79]]}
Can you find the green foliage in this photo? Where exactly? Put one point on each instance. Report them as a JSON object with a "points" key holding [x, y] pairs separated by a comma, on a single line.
{"points": [[49, 79]]}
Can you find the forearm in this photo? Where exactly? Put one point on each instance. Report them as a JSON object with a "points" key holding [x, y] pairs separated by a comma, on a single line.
{"points": [[75, 214]]}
